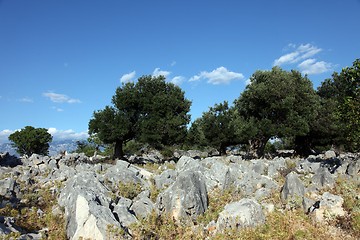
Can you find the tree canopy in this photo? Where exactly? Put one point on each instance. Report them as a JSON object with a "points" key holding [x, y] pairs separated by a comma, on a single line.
{"points": [[277, 103], [31, 140], [151, 111]]}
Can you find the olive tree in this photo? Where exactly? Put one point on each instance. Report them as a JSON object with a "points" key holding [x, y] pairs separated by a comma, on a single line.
{"points": [[151, 111], [276, 103]]}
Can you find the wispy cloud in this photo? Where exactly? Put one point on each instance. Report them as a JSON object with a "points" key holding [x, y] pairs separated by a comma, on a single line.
{"points": [[67, 134], [178, 80], [301, 52], [26, 100], [311, 66], [173, 63], [57, 109], [128, 77], [303, 56], [60, 98], [221, 75], [157, 72]]}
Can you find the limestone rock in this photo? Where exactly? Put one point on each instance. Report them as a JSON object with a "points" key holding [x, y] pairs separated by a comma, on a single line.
{"points": [[293, 189], [244, 213], [186, 197]]}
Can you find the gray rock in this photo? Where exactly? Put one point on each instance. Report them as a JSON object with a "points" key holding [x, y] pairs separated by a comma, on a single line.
{"points": [[330, 207], [186, 197], [323, 178], [353, 168], [185, 163], [216, 172], [86, 202], [293, 190], [123, 172], [329, 154], [275, 165], [165, 179], [142, 207], [244, 213], [122, 212], [8, 188]]}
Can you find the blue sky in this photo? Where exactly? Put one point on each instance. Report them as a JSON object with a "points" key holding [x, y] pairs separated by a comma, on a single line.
{"points": [[60, 60]]}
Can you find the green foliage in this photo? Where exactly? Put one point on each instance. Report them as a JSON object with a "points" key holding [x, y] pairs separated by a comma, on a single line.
{"points": [[217, 127], [151, 111], [31, 140], [277, 103]]}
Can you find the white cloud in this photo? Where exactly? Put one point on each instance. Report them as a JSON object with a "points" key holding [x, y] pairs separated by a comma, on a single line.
{"points": [[60, 98], [128, 77], [57, 109], [26, 100], [67, 134], [173, 63], [218, 76], [300, 53], [157, 72], [248, 81], [4, 134], [177, 80], [311, 66]]}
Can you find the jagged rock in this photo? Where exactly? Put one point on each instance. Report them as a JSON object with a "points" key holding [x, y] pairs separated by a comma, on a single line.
{"points": [[244, 213], [185, 163], [86, 202], [293, 190], [353, 168], [9, 190], [323, 178], [123, 172], [191, 153], [8, 160], [275, 165], [216, 172], [251, 181], [142, 207], [165, 179], [260, 167], [329, 154], [122, 212], [186, 197], [330, 207]]}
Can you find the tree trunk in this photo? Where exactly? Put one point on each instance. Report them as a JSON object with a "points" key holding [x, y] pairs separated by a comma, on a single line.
{"points": [[257, 147], [118, 150]]}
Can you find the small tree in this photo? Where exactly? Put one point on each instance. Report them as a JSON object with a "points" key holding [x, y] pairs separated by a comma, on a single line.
{"points": [[217, 127], [31, 140]]}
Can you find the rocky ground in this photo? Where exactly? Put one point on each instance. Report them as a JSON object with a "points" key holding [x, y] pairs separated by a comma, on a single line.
{"points": [[193, 196]]}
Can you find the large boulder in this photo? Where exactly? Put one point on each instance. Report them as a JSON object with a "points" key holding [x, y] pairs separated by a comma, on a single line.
{"points": [[330, 207], [86, 202], [323, 178], [293, 190], [165, 179], [186, 197], [244, 213]]}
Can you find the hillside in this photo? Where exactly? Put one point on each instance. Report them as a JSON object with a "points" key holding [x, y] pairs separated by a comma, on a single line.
{"points": [[193, 196]]}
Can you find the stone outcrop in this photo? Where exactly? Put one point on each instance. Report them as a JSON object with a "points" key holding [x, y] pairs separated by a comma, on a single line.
{"points": [[241, 214], [88, 192], [186, 197]]}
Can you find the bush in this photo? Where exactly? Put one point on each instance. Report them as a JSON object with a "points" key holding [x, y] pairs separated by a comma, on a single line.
{"points": [[31, 140]]}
